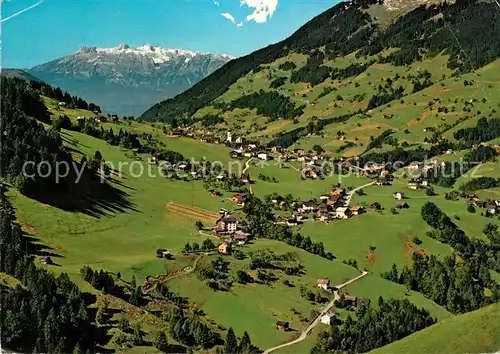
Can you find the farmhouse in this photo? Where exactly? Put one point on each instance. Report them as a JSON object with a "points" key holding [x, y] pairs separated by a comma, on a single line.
{"points": [[398, 195], [308, 206], [163, 253], [245, 177], [323, 283], [262, 156], [356, 300], [401, 204], [229, 223], [282, 326], [417, 183], [218, 230], [224, 247], [240, 237], [239, 198], [328, 318], [337, 192], [342, 213], [292, 222], [491, 207], [375, 206], [356, 210]]}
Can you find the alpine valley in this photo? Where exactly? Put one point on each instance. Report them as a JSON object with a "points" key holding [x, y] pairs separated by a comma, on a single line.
{"points": [[335, 192]]}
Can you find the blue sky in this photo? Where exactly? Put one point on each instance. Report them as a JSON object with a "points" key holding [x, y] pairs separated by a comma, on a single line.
{"points": [[55, 28]]}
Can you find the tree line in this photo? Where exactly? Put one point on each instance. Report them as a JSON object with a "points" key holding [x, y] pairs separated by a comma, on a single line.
{"points": [[374, 326], [46, 313]]}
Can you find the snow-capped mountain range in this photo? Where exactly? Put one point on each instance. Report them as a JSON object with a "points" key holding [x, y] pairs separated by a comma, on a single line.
{"points": [[127, 80]]}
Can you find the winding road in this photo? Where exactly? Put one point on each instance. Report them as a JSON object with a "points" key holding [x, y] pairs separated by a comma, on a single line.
{"points": [[247, 166], [351, 193], [306, 331]]}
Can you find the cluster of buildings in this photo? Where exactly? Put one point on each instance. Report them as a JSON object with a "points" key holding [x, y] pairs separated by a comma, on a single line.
{"points": [[492, 206], [329, 207], [227, 227]]}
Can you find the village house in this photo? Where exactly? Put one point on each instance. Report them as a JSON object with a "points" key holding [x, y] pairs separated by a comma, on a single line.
{"points": [[277, 199], [417, 183], [262, 156], [323, 283], [491, 207], [218, 230], [308, 206], [337, 192], [229, 223], [281, 221], [282, 326], [398, 195], [114, 118], [297, 215], [239, 198], [356, 210], [240, 237], [292, 222], [324, 208], [225, 247], [342, 213], [356, 300], [299, 152], [245, 177], [401, 204], [375, 206], [415, 166], [324, 217], [163, 253], [328, 318]]}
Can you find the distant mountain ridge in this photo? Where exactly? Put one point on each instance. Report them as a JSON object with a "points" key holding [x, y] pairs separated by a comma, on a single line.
{"points": [[22, 74], [128, 80]]}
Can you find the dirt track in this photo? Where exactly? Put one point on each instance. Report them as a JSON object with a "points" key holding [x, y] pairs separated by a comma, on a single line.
{"points": [[191, 211]]}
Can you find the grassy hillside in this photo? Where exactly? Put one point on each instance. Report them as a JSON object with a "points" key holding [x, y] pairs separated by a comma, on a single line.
{"points": [[475, 332]]}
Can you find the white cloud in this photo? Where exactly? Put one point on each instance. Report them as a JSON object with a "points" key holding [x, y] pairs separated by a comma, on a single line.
{"points": [[228, 16], [262, 9], [216, 3], [239, 25]]}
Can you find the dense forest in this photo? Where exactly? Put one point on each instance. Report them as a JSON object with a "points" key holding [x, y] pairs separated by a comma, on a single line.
{"points": [[484, 130], [46, 313], [456, 285], [375, 326], [270, 104], [35, 161]]}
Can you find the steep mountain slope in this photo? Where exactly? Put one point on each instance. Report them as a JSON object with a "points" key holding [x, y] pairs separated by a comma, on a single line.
{"points": [[342, 45], [19, 74], [474, 332], [128, 80]]}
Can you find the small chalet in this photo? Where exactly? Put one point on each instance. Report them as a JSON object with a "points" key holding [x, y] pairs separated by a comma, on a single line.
{"points": [[262, 156], [356, 300], [218, 230], [323, 283], [240, 237], [324, 208], [292, 222], [337, 192], [356, 210], [163, 253], [417, 183], [45, 260], [375, 206], [308, 206], [224, 247], [398, 195], [239, 198], [299, 152], [114, 118], [282, 326], [401, 204], [297, 215], [342, 213], [328, 318], [324, 217], [245, 177], [491, 207]]}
